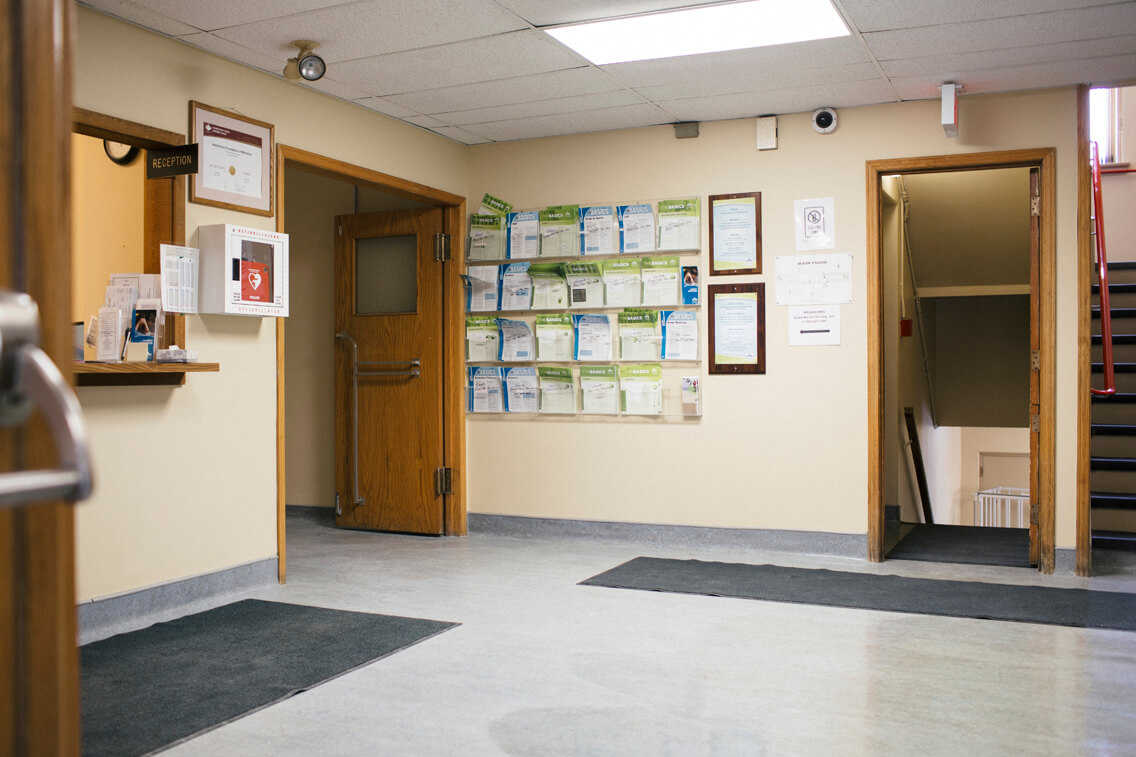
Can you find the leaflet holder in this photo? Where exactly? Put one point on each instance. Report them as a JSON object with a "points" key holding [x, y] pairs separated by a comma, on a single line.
{"points": [[29, 379]]}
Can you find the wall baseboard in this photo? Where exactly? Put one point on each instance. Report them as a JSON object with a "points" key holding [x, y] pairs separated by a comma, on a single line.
{"points": [[799, 542], [108, 616]]}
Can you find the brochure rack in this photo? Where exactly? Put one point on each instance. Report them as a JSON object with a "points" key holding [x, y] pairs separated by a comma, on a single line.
{"points": [[525, 362]]}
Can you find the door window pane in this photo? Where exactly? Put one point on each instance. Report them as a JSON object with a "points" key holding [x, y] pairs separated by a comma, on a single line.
{"points": [[386, 275]]}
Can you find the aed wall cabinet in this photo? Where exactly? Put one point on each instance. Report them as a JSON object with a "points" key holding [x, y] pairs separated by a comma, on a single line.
{"points": [[243, 271]]}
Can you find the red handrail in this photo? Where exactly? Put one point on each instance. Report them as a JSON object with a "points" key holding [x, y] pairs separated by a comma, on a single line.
{"points": [[1102, 275]]}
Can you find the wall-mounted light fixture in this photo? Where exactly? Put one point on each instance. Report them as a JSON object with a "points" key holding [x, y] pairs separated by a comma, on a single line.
{"points": [[306, 65]]}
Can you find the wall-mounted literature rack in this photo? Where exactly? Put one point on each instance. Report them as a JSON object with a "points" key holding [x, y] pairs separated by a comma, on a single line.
{"points": [[137, 374], [605, 327]]}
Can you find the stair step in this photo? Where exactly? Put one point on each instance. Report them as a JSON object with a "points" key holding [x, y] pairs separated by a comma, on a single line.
{"points": [[1116, 312], [1116, 339], [1114, 429], [1125, 540], [1113, 500], [1114, 288], [1112, 463], [1117, 367], [1118, 398], [1121, 266]]}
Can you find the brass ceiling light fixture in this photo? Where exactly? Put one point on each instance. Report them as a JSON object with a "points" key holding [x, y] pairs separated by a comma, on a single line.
{"points": [[306, 65]]}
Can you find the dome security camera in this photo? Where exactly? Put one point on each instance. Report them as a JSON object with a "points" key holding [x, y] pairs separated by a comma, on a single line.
{"points": [[824, 120]]}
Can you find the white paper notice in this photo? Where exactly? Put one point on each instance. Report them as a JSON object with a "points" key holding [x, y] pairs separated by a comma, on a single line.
{"points": [[821, 279], [482, 293], [815, 224], [487, 393], [231, 161], [735, 328], [593, 337], [521, 390], [680, 334], [516, 340], [814, 325], [636, 228], [179, 279]]}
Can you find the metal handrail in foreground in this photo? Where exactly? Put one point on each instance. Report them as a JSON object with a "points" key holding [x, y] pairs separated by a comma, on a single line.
{"points": [[1102, 275]]}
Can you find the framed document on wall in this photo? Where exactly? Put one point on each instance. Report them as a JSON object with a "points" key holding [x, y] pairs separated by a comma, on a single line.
{"points": [[235, 160], [737, 328], [735, 233]]}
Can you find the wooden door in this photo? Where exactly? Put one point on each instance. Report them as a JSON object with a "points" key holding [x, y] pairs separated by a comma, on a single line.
{"points": [[390, 371], [39, 669], [1035, 361]]}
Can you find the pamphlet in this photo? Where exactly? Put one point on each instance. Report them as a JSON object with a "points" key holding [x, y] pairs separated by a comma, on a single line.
{"points": [[481, 338], [179, 278], [661, 280], [494, 206], [690, 285], [637, 340], [112, 329], [599, 389], [691, 396], [521, 390], [641, 389], [597, 230], [680, 334], [147, 285], [516, 340], [486, 237], [557, 390], [144, 327], [636, 228], [623, 284], [516, 287], [585, 284], [481, 288], [550, 289], [559, 231], [485, 389], [679, 224], [523, 234], [554, 336], [593, 337]]}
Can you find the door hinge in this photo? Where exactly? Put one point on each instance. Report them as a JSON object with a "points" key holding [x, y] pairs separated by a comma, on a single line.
{"points": [[441, 247], [443, 481], [1035, 360], [1034, 508], [340, 229], [338, 509], [1035, 206], [1035, 423]]}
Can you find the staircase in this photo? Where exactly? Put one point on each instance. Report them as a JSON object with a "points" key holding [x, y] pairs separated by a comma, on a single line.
{"points": [[1113, 448]]}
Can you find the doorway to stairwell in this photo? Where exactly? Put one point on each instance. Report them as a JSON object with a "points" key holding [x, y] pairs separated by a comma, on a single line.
{"points": [[962, 362]]}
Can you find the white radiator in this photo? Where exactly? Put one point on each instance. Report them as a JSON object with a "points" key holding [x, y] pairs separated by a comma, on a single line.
{"points": [[1002, 507]]}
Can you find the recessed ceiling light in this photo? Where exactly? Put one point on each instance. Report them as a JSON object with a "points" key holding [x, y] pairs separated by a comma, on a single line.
{"points": [[708, 29]]}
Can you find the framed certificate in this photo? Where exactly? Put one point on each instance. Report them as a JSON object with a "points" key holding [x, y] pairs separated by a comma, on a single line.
{"points": [[235, 160], [735, 233], [737, 328]]}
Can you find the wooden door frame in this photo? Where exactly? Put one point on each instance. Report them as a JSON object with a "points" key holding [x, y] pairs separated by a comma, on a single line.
{"points": [[1084, 559], [1046, 160], [453, 348]]}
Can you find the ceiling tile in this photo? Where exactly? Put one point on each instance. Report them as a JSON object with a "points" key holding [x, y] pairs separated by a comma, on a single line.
{"points": [[377, 27], [233, 51], [879, 15], [142, 16], [545, 13], [218, 14], [428, 122], [514, 54], [626, 117], [460, 135], [386, 107], [334, 88], [793, 100], [816, 54], [1015, 56], [543, 107], [1041, 29], [756, 81], [1116, 69], [566, 83]]}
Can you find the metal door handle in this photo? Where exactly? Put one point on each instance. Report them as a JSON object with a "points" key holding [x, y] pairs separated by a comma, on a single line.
{"points": [[29, 379], [409, 367], [358, 501]]}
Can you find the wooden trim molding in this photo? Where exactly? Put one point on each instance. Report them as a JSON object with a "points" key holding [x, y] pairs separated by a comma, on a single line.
{"points": [[1046, 159], [281, 447], [102, 126], [453, 410], [1084, 555]]}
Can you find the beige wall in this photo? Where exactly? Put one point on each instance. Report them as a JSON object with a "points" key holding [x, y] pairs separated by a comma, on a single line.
{"points": [[1119, 190], [186, 476], [107, 204], [309, 342], [787, 449]]}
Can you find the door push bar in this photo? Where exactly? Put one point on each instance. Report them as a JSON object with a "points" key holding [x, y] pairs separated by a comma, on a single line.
{"points": [[29, 379], [410, 368]]}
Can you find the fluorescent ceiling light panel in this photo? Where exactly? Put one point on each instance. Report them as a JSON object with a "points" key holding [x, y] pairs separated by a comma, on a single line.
{"points": [[706, 29]]}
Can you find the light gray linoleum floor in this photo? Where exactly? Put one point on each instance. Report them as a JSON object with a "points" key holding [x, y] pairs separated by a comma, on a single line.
{"points": [[541, 666]]}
